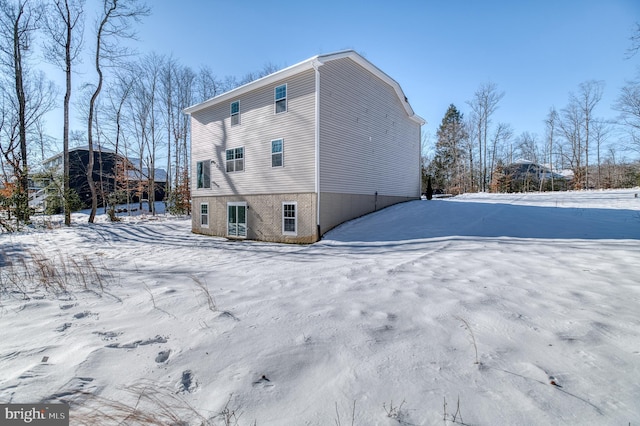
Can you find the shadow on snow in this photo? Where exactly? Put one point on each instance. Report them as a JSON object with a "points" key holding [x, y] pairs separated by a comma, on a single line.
{"points": [[440, 219]]}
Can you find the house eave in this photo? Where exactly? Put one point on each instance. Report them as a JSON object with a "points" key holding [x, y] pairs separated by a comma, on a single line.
{"points": [[98, 148], [239, 91], [360, 60], [308, 64]]}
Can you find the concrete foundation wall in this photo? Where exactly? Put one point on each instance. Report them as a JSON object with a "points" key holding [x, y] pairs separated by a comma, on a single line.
{"points": [[339, 208], [264, 217]]}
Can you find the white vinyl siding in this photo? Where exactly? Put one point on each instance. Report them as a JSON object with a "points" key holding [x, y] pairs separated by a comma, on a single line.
{"points": [[212, 135], [368, 143]]}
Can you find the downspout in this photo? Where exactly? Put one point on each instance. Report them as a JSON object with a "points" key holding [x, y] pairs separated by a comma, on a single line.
{"points": [[316, 64]]}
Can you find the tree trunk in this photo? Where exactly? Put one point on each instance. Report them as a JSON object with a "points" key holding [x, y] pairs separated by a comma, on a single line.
{"points": [[92, 103], [22, 201]]}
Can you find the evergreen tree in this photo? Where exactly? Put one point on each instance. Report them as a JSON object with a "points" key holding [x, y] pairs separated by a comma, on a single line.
{"points": [[448, 160], [500, 181]]}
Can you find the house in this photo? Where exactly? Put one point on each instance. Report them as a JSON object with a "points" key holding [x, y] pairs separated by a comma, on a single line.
{"points": [[107, 174], [139, 178], [105, 161], [287, 157], [525, 175]]}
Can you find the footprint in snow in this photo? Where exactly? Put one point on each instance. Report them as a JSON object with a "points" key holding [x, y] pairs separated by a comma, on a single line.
{"points": [[84, 314], [187, 382], [107, 335], [163, 356], [263, 382], [136, 343], [63, 327]]}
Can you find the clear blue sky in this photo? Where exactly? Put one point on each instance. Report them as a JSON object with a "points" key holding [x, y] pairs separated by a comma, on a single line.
{"points": [[536, 51]]}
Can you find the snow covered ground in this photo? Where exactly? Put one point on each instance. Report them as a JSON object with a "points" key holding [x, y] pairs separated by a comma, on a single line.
{"points": [[512, 309]]}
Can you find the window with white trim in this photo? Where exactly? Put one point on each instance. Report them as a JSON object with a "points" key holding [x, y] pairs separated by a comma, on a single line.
{"points": [[235, 160], [204, 215], [280, 96], [277, 153], [290, 218], [203, 174], [235, 113]]}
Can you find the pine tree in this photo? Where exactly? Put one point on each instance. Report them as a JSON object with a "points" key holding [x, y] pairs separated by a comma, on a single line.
{"points": [[500, 181], [448, 160]]}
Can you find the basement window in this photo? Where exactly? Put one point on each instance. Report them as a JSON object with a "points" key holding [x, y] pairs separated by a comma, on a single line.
{"points": [[204, 215], [289, 218]]}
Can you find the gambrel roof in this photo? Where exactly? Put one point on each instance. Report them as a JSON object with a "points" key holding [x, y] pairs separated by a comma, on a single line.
{"points": [[308, 64]]}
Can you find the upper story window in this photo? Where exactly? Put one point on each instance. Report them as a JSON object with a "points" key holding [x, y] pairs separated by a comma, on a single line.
{"points": [[203, 174], [281, 98], [235, 113], [277, 153], [235, 160]]}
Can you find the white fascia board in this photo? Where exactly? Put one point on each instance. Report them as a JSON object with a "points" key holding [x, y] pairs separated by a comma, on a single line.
{"points": [[238, 91], [308, 64]]}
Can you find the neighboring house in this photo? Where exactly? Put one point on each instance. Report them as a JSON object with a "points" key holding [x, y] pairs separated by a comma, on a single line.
{"points": [[105, 161], [289, 156], [138, 177], [524, 175], [105, 173]]}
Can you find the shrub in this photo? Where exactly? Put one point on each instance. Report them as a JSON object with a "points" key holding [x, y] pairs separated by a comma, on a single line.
{"points": [[55, 202]]}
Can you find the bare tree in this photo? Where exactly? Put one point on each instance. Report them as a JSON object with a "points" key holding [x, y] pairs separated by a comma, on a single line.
{"points": [[119, 92], [114, 24], [65, 25], [184, 96], [148, 93], [26, 97], [527, 145], [268, 68], [483, 105], [551, 124], [19, 21], [601, 131], [628, 105], [168, 79], [571, 128], [147, 108], [471, 124], [635, 42], [588, 97], [207, 85], [502, 134], [576, 126]]}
